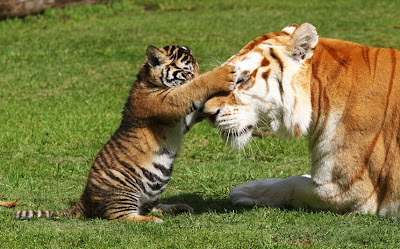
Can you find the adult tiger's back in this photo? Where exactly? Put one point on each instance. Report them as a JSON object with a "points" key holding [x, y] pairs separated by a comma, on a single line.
{"points": [[345, 96]]}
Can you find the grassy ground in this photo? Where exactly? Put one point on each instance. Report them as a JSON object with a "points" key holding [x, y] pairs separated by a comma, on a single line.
{"points": [[65, 75]]}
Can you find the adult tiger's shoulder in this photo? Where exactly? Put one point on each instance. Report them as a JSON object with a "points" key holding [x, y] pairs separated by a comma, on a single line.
{"points": [[344, 95]]}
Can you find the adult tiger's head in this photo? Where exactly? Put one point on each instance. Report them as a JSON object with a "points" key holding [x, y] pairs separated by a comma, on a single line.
{"points": [[169, 66], [274, 92]]}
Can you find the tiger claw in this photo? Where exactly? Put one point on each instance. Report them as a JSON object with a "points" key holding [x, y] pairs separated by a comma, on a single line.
{"points": [[243, 77]]}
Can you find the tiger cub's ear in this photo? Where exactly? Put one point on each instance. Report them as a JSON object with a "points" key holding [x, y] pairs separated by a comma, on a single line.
{"points": [[154, 56], [302, 43]]}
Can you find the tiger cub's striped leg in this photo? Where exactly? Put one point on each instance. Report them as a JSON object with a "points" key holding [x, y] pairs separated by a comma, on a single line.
{"points": [[173, 208], [130, 214]]}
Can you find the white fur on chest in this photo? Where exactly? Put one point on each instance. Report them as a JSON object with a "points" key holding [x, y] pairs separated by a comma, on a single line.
{"points": [[324, 149]]}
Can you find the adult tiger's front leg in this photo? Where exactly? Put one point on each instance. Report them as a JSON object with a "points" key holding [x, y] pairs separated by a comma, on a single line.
{"points": [[294, 192]]}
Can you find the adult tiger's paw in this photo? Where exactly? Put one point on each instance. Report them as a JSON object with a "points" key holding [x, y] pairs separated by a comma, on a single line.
{"points": [[268, 192]]}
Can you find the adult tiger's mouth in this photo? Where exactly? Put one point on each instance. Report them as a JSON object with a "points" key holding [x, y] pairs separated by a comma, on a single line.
{"points": [[238, 138], [239, 133]]}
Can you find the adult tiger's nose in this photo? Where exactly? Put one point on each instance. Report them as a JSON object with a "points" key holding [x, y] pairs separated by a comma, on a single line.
{"points": [[216, 104], [211, 115]]}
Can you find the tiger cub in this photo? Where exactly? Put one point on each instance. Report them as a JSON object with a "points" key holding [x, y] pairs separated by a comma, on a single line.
{"points": [[134, 166]]}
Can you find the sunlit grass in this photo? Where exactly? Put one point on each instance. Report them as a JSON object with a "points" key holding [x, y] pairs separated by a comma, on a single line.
{"points": [[65, 76]]}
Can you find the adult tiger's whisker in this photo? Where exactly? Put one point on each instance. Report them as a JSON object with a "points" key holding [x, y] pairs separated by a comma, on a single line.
{"points": [[256, 144], [227, 137]]}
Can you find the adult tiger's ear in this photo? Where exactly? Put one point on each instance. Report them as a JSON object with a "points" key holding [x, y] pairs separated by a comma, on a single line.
{"points": [[302, 43], [154, 56]]}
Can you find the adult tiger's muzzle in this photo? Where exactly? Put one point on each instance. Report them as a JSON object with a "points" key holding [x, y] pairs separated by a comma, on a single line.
{"points": [[235, 123]]}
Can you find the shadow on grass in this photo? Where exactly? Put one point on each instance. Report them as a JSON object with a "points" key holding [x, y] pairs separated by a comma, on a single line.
{"points": [[201, 205], [221, 206]]}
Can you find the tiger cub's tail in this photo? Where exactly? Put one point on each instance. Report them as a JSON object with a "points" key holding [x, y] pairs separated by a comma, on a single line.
{"points": [[74, 212], [31, 214]]}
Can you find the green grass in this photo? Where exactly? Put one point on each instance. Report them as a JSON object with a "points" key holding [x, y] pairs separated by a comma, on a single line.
{"points": [[65, 75]]}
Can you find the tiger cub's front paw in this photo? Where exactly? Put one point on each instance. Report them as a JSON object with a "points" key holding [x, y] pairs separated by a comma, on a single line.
{"points": [[224, 78], [173, 208]]}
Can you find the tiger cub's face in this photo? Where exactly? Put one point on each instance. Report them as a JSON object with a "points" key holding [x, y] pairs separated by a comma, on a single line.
{"points": [[269, 95], [171, 66]]}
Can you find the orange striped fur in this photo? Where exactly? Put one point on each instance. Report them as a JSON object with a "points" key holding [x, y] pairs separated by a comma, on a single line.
{"points": [[134, 166], [344, 95]]}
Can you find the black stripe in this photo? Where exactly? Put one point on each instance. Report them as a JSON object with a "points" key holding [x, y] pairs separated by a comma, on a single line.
{"points": [[97, 187], [156, 186], [119, 203], [185, 126], [175, 73], [193, 108], [116, 201], [122, 210], [99, 161], [276, 57], [146, 140], [109, 152], [155, 90], [165, 96], [141, 186], [120, 216], [163, 91], [113, 148], [35, 213], [164, 170], [165, 76], [116, 178], [159, 192], [124, 203], [103, 159], [105, 182], [128, 155], [137, 148], [124, 137], [129, 195], [152, 177], [181, 51], [128, 178], [164, 151], [129, 167], [119, 145], [173, 56], [185, 58]]}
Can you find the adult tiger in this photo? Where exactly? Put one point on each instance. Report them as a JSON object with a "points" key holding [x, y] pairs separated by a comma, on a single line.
{"points": [[345, 96]]}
